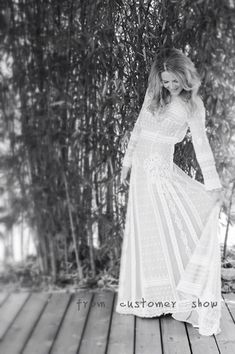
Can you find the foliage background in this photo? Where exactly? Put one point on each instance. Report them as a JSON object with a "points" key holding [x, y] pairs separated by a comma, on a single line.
{"points": [[73, 77]]}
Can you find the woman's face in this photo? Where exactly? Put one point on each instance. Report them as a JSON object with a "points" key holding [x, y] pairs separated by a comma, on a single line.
{"points": [[171, 83]]}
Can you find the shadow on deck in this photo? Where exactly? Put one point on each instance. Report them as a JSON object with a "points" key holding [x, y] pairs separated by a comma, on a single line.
{"points": [[44, 323]]}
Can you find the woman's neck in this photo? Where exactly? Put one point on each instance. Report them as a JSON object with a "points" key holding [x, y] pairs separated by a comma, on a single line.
{"points": [[173, 98]]}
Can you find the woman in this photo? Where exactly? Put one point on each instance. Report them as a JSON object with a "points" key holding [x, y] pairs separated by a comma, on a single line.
{"points": [[170, 259]]}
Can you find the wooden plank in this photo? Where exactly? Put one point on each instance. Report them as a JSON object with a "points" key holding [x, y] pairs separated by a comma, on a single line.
{"points": [[121, 338], [148, 336], [19, 332], [70, 334], [97, 329], [201, 344], [230, 301], [226, 339], [174, 336], [10, 309], [46, 329], [3, 297]]}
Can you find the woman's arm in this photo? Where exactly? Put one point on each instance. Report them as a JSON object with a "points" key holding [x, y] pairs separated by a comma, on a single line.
{"points": [[202, 148], [127, 160]]}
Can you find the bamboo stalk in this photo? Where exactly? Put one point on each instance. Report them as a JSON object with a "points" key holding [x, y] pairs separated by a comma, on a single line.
{"points": [[79, 267], [52, 258]]}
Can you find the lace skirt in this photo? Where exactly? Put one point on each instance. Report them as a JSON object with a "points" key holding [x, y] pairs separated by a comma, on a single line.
{"points": [[170, 261]]}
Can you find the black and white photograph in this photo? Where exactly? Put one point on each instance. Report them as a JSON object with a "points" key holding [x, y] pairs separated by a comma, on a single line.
{"points": [[117, 176]]}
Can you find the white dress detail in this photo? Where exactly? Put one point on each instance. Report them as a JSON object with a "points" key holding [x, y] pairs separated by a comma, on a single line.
{"points": [[170, 260]]}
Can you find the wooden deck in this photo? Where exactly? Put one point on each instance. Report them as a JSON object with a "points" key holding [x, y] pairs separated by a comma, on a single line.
{"points": [[44, 323]]}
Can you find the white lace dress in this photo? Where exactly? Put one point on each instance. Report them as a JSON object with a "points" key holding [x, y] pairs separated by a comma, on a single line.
{"points": [[170, 260]]}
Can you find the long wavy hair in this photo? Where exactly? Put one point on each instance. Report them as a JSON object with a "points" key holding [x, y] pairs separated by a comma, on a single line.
{"points": [[175, 61]]}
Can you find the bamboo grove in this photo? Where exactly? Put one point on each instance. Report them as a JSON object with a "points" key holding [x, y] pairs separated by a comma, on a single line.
{"points": [[76, 77]]}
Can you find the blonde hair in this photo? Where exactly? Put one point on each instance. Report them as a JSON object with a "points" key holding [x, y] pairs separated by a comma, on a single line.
{"points": [[175, 61]]}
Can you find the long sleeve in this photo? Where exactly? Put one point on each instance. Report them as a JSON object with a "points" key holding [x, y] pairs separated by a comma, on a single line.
{"points": [[127, 160], [202, 148]]}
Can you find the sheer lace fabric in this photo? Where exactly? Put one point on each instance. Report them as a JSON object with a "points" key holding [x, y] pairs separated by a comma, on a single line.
{"points": [[170, 252]]}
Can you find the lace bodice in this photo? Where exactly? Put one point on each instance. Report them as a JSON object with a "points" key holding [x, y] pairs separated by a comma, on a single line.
{"points": [[154, 136]]}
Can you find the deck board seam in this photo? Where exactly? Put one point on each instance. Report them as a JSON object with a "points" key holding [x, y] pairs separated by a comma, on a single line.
{"points": [[226, 304], [61, 322], [110, 323], [16, 315], [134, 336], [85, 322], [160, 329], [6, 298], [35, 325], [187, 334]]}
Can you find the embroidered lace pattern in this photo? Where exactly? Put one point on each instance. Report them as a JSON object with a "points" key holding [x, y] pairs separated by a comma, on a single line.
{"points": [[177, 219], [156, 167]]}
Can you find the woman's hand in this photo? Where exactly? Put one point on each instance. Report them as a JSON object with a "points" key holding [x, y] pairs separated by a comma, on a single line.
{"points": [[124, 176]]}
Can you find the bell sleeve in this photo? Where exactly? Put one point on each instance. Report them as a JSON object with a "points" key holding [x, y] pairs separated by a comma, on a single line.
{"points": [[202, 147], [127, 160]]}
